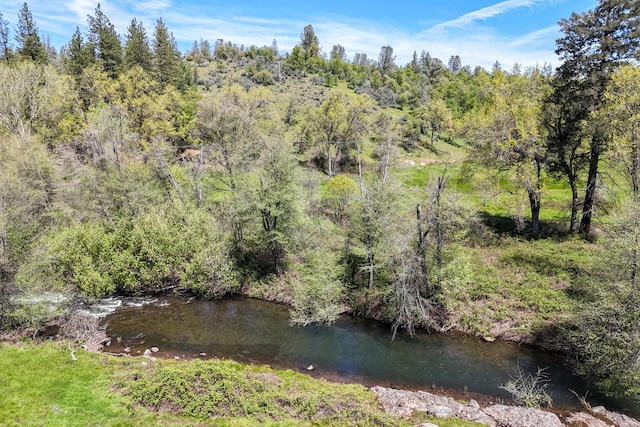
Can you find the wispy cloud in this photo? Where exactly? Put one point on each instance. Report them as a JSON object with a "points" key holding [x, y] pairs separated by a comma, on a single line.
{"points": [[486, 13], [479, 43], [152, 5]]}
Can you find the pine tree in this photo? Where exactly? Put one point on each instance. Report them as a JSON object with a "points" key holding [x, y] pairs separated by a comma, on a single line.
{"points": [[136, 49], [78, 57], [29, 43], [5, 48], [167, 67], [104, 38], [309, 42]]}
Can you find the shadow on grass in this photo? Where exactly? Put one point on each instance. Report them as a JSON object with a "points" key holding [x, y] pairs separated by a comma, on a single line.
{"points": [[507, 226]]}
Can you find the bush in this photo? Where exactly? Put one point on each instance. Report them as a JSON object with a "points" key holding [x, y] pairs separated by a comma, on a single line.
{"points": [[528, 389], [169, 249]]}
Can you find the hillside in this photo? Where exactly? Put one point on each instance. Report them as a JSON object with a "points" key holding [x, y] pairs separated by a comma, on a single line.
{"points": [[501, 204]]}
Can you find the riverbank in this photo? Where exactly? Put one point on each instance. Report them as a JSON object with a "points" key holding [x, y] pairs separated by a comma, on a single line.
{"points": [[59, 383]]}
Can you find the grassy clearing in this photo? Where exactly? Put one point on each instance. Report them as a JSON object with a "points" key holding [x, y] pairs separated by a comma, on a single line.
{"points": [[520, 287]]}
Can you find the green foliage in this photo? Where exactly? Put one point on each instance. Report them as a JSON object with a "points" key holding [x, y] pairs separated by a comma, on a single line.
{"points": [[318, 293], [529, 389], [29, 44], [105, 42], [213, 389], [154, 251], [43, 385], [338, 195], [604, 333]]}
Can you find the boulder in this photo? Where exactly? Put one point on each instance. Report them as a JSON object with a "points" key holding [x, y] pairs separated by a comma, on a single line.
{"points": [[585, 420], [620, 420], [518, 416]]}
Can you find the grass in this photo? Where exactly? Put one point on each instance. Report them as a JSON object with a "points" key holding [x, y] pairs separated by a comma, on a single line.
{"points": [[40, 385], [520, 286]]}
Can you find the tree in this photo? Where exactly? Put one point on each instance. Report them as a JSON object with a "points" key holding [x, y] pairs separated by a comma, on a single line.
{"points": [[106, 42], [5, 47], [136, 48], [386, 60], [309, 42], [227, 128], [78, 56], [423, 261], [26, 93], [594, 44], [205, 49], [338, 52], [508, 137], [431, 67], [431, 120], [621, 114], [167, 63], [27, 182], [29, 43], [604, 334], [335, 126], [455, 64], [276, 203], [361, 60]]}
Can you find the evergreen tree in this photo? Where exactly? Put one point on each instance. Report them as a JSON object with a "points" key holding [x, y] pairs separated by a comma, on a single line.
{"points": [[29, 43], [309, 42], [167, 67], [136, 48], [78, 56], [594, 44], [5, 48], [205, 49], [105, 40]]}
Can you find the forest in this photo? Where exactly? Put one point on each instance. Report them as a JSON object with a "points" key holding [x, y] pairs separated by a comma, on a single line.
{"points": [[432, 195]]}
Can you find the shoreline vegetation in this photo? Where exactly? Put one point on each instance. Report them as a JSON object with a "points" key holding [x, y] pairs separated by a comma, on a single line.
{"points": [[433, 196], [58, 382]]}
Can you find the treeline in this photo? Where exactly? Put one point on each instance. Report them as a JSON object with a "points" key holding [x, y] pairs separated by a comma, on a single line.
{"points": [[126, 168]]}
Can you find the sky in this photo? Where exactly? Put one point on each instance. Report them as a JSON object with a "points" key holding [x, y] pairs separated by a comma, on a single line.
{"points": [[481, 32]]}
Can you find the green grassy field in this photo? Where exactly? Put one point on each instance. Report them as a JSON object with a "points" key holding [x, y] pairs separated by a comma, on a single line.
{"points": [[40, 385]]}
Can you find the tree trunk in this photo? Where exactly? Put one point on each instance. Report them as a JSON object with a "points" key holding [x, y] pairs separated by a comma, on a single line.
{"points": [[534, 200], [421, 249], [590, 194], [575, 202]]}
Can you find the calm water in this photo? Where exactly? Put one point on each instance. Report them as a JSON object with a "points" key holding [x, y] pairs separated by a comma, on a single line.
{"points": [[358, 350]]}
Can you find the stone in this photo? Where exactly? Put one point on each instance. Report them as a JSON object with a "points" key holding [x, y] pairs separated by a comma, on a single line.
{"points": [[473, 404], [428, 425], [619, 420], [203, 354], [155, 349], [310, 368], [147, 352], [517, 416], [144, 364], [585, 420], [176, 357], [439, 411], [127, 350]]}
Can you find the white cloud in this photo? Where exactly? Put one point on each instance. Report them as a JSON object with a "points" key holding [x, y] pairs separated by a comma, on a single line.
{"points": [[152, 5], [486, 13], [478, 44]]}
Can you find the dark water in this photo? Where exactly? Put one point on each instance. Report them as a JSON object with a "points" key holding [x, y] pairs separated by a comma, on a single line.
{"points": [[356, 350]]}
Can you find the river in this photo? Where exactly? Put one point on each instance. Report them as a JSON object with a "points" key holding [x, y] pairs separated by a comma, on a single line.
{"points": [[353, 349]]}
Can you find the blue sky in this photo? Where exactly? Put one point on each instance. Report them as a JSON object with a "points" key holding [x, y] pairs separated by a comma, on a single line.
{"points": [[480, 31]]}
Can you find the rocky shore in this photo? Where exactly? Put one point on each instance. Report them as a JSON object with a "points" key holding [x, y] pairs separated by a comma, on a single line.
{"points": [[403, 404]]}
